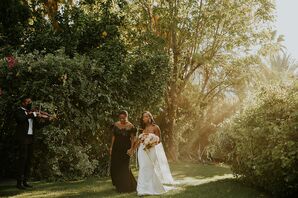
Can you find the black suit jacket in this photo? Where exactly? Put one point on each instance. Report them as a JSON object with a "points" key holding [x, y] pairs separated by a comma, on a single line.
{"points": [[23, 125]]}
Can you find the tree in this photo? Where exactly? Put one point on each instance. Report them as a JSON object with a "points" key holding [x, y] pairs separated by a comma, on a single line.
{"points": [[84, 74], [200, 35], [14, 15], [279, 67]]}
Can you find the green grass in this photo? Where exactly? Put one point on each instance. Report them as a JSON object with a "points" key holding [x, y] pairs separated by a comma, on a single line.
{"points": [[196, 180]]}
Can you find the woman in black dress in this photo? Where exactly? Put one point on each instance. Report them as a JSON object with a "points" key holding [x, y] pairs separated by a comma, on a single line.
{"points": [[122, 143]]}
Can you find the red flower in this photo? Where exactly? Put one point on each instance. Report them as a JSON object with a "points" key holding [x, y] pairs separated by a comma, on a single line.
{"points": [[11, 61]]}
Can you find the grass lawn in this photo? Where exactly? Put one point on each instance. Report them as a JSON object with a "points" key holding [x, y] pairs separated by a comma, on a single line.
{"points": [[195, 180]]}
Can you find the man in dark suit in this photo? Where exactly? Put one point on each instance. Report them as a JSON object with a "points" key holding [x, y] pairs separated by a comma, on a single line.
{"points": [[26, 125]]}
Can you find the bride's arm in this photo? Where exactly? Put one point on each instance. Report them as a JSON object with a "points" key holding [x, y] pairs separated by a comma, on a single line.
{"points": [[137, 141], [136, 144], [157, 132]]}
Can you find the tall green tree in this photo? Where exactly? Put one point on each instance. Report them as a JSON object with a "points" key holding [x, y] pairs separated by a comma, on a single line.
{"points": [[199, 36], [278, 67], [14, 17]]}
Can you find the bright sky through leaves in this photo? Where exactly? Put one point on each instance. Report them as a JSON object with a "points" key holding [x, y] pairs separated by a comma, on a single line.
{"points": [[286, 24]]}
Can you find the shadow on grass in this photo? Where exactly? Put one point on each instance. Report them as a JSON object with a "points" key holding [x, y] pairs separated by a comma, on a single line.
{"points": [[45, 189], [227, 188], [199, 181]]}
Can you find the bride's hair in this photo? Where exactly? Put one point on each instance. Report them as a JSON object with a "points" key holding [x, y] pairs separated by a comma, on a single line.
{"points": [[142, 124]]}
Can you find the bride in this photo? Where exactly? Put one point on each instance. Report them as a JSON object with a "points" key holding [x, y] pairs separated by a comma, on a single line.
{"points": [[154, 169]]}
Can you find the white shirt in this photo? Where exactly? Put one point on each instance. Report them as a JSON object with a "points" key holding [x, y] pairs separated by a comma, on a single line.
{"points": [[30, 120]]}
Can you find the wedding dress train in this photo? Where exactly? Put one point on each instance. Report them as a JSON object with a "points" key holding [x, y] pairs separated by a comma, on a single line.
{"points": [[154, 171]]}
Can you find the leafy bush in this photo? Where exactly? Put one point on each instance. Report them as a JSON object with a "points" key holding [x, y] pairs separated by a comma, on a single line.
{"points": [[65, 87], [84, 71], [261, 142], [14, 15], [85, 93], [79, 31]]}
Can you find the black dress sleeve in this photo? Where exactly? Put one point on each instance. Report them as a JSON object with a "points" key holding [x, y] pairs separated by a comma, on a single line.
{"points": [[133, 131], [114, 129]]}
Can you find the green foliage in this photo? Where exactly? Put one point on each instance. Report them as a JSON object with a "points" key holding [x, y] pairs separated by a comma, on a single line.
{"points": [[85, 84], [66, 87], [202, 39], [150, 73], [198, 119], [14, 15], [81, 29], [261, 142], [86, 94]]}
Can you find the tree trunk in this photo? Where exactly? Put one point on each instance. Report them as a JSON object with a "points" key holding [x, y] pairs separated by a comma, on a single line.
{"points": [[170, 135]]}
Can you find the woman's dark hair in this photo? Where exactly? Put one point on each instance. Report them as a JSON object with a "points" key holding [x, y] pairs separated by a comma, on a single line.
{"points": [[23, 98], [142, 124], [123, 112]]}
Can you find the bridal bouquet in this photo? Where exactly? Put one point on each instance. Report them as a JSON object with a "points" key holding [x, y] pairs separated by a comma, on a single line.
{"points": [[149, 140]]}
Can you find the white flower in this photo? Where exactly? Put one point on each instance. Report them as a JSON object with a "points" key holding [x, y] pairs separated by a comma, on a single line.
{"points": [[149, 140]]}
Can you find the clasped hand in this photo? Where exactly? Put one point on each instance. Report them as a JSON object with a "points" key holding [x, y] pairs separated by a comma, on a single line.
{"points": [[130, 152]]}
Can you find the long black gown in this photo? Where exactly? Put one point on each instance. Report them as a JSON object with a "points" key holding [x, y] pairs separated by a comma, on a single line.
{"points": [[122, 177]]}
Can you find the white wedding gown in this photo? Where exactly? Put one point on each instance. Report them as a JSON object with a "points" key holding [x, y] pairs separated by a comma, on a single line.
{"points": [[154, 171]]}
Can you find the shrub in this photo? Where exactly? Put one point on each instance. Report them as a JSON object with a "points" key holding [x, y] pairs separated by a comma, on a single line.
{"points": [[261, 142], [98, 72], [65, 87], [85, 93]]}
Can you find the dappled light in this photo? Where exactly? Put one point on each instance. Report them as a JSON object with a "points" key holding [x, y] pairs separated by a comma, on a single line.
{"points": [[194, 177], [127, 98]]}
